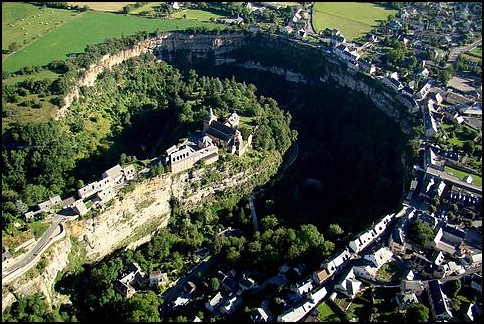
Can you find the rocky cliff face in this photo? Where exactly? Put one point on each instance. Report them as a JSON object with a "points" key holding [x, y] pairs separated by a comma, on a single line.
{"points": [[170, 42], [133, 218], [56, 258], [220, 46], [384, 100]]}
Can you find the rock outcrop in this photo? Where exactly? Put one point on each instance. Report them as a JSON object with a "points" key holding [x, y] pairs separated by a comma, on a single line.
{"points": [[134, 217]]}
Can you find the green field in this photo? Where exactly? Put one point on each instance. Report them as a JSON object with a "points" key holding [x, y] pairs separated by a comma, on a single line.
{"points": [[103, 6], [193, 14], [476, 51], [44, 74], [89, 28], [461, 175], [147, 7], [353, 19], [23, 23], [326, 314]]}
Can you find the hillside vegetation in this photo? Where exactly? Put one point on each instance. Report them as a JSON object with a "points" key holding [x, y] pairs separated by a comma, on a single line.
{"points": [[125, 113]]}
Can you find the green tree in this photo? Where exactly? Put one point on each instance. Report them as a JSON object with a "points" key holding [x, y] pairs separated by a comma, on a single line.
{"points": [[468, 147], [214, 284], [21, 207], [335, 229], [13, 47], [453, 287], [122, 158], [142, 307], [417, 313], [269, 222]]}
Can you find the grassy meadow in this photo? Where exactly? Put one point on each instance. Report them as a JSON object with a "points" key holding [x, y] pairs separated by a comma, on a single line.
{"points": [[198, 15], [477, 180], [476, 51], [24, 23], [147, 7], [89, 27], [353, 19]]}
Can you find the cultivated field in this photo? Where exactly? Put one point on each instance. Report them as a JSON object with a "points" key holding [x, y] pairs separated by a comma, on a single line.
{"points": [[23, 23], [194, 14], [89, 28], [147, 7], [353, 19], [103, 6]]}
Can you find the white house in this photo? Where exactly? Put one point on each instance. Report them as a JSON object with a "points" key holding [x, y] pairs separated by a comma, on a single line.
{"points": [[349, 286], [214, 302], [365, 271], [380, 257], [332, 265], [297, 313], [422, 93], [361, 241]]}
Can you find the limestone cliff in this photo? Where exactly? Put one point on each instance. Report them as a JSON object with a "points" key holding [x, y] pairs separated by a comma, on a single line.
{"points": [[169, 42], [134, 217], [220, 46]]}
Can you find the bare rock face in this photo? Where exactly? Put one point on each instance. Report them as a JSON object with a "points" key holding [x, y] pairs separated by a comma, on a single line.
{"points": [[132, 219], [57, 258], [199, 43]]}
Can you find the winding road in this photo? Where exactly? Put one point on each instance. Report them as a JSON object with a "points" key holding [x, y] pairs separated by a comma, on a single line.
{"points": [[33, 256]]}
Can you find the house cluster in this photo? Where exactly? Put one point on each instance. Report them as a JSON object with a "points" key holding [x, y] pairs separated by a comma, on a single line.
{"points": [[309, 292], [203, 147], [452, 251], [134, 278], [437, 32], [96, 193], [228, 299], [298, 24]]}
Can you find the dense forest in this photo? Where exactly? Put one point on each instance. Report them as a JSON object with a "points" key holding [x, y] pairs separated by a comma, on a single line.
{"points": [[133, 114]]}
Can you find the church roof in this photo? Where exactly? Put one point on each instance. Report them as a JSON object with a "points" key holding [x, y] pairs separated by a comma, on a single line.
{"points": [[221, 131]]}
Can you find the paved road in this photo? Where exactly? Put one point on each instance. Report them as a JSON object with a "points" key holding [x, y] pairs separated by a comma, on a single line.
{"points": [[456, 51], [30, 256], [253, 213], [444, 175], [310, 29]]}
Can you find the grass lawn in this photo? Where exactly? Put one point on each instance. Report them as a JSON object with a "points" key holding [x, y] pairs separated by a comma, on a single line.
{"points": [[461, 174], [18, 237], [39, 228], [89, 28], [477, 51], [353, 19], [195, 14], [28, 115], [290, 4], [44, 74], [389, 272], [18, 113], [360, 308], [462, 133], [326, 314], [147, 7], [23, 23]]}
